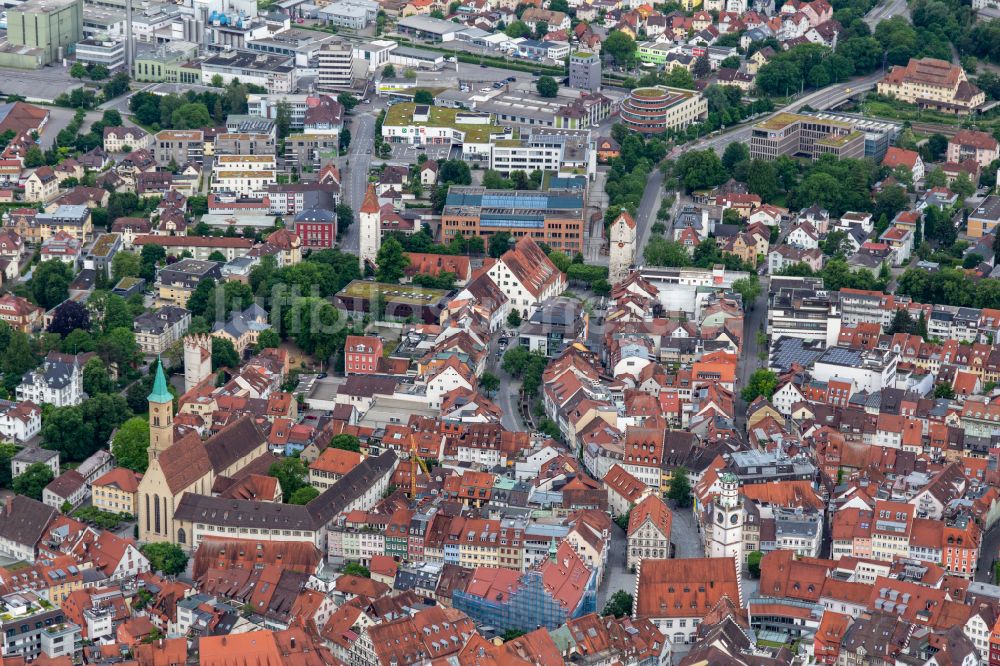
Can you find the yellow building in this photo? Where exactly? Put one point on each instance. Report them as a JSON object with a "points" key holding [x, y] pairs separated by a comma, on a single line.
{"points": [[933, 84], [116, 491]]}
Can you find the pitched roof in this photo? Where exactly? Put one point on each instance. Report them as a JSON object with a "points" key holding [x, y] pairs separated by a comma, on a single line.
{"points": [[370, 204], [686, 587], [531, 266], [653, 509]]}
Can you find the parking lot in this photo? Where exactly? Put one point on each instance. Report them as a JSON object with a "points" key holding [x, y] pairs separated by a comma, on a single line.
{"points": [[409, 153], [38, 85]]}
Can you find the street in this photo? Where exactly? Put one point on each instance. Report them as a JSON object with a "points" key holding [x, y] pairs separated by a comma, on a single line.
{"points": [[754, 320], [988, 549], [354, 178]]}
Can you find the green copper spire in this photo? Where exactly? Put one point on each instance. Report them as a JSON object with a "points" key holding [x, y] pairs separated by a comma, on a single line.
{"points": [[160, 393]]}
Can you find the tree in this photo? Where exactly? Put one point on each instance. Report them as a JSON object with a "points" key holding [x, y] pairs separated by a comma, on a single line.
{"points": [[944, 390], [33, 480], [890, 201], [69, 316], [104, 413], [165, 557], [96, 379], [16, 358], [749, 288], [541, 29], [224, 354], [125, 264], [200, 301], [489, 383], [937, 144], [499, 243], [902, 322], [702, 67], [454, 172], [391, 261], [389, 72], [291, 473], [663, 252], [348, 101], [547, 86], [762, 382], [283, 118], [963, 187], [700, 169], [66, 431], [131, 443], [734, 154], [34, 157], [680, 487], [345, 216], [355, 569], [421, 96], [345, 442], [50, 283], [303, 495], [78, 71], [514, 318], [193, 115], [753, 563], [119, 346], [621, 47], [517, 29], [267, 339], [217, 256], [619, 604]]}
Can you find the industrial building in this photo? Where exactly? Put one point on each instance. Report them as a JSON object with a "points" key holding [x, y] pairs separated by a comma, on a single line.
{"points": [[52, 27]]}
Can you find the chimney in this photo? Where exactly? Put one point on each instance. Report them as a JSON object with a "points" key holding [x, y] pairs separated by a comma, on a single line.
{"points": [[9, 504]]}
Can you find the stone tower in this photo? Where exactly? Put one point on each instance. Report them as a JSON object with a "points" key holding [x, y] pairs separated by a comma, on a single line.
{"points": [[161, 415], [197, 359], [727, 527], [621, 254], [370, 228]]}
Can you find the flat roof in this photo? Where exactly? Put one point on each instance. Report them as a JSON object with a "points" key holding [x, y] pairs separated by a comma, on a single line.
{"points": [[393, 293], [439, 116]]}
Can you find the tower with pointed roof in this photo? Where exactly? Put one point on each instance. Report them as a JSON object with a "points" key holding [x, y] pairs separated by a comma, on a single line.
{"points": [[370, 225], [161, 415], [621, 254]]}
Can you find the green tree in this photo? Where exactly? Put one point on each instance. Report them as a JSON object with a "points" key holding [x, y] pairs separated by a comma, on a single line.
{"points": [[104, 413], [944, 390], [749, 288], [734, 154], [619, 604], [118, 346], [193, 115], [34, 157], [224, 354], [663, 252], [303, 495], [345, 442], [291, 473], [165, 557], [547, 86], [902, 322], [391, 261], [50, 283], [16, 358], [489, 383], [700, 169], [96, 379], [680, 487], [355, 569], [348, 101], [517, 29], [66, 431], [33, 480], [131, 443], [267, 339], [962, 186], [762, 382], [78, 71], [621, 47], [702, 67], [422, 96], [389, 72], [753, 563], [125, 264], [514, 318]]}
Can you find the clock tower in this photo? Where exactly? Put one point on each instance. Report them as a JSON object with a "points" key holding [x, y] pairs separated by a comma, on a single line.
{"points": [[727, 520]]}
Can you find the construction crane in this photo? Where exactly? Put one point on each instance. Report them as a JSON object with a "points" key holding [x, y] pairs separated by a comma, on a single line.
{"points": [[415, 460]]}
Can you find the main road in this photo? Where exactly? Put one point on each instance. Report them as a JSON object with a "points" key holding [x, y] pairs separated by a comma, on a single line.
{"points": [[821, 100], [354, 177]]}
